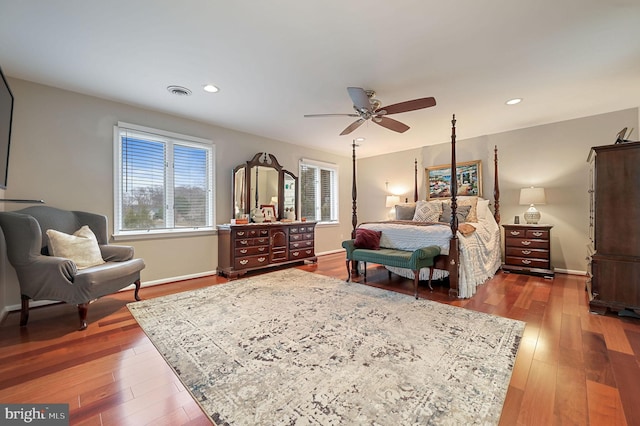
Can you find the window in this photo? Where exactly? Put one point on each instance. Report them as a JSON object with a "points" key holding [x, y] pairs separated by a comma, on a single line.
{"points": [[319, 191], [163, 181]]}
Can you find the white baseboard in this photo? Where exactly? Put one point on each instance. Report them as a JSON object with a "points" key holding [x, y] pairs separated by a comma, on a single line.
{"points": [[569, 271]]}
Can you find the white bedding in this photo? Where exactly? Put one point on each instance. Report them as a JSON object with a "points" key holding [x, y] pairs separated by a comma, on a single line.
{"points": [[480, 255]]}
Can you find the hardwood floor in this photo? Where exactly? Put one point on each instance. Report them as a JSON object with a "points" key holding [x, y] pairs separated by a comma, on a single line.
{"points": [[573, 367]]}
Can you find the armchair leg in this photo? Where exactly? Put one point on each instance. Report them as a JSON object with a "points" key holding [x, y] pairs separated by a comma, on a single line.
{"points": [[135, 294], [24, 312], [83, 308]]}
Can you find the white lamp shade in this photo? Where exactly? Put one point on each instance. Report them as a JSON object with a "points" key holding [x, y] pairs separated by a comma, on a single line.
{"points": [[392, 200], [531, 196]]}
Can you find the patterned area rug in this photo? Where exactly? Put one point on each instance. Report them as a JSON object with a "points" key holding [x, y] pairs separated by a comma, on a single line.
{"points": [[296, 348]]}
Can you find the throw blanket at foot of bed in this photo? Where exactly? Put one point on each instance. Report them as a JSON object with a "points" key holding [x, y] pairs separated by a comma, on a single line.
{"points": [[413, 260]]}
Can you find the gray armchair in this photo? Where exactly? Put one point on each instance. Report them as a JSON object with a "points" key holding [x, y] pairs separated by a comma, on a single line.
{"points": [[45, 277]]}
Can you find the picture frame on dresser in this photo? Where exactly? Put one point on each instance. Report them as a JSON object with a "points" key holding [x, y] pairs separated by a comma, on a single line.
{"points": [[269, 212]]}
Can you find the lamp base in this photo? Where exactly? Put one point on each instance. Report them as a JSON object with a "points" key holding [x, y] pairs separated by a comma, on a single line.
{"points": [[532, 216]]}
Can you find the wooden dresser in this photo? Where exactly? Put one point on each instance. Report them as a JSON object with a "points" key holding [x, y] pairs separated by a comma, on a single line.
{"points": [[614, 252], [528, 249], [243, 248]]}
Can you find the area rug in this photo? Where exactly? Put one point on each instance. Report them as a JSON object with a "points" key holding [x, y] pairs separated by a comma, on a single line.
{"points": [[296, 348]]}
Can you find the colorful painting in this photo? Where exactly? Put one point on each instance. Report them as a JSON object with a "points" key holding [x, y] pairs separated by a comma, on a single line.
{"points": [[469, 177]]}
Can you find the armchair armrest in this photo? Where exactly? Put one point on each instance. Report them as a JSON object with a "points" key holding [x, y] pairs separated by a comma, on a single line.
{"points": [[116, 253], [46, 269]]}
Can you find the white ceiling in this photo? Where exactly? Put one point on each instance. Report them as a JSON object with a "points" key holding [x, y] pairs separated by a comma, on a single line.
{"points": [[277, 60]]}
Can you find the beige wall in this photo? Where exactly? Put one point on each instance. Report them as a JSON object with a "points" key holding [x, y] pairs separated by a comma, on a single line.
{"points": [[62, 152], [552, 156]]}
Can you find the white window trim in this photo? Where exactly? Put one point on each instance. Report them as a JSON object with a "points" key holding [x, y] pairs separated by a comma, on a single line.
{"points": [[336, 185], [117, 197]]}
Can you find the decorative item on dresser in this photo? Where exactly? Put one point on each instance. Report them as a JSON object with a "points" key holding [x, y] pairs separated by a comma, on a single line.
{"points": [[614, 252], [527, 249]]}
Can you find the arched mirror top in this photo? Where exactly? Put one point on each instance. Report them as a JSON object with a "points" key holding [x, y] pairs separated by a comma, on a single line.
{"points": [[261, 187]]}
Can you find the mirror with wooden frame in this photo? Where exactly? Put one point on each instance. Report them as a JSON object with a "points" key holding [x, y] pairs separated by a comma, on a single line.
{"points": [[263, 182]]}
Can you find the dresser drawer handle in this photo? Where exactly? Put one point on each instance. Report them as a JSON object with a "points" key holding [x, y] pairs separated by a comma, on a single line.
{"points": [[308, 251], [241, 233], [526, 251], [526, 261], [526, 243], [537, 234], [295, 253], [244, 251], [244, 262], [515, 233], [243, 242], [296, 245], [261, 248], [262, 259]]}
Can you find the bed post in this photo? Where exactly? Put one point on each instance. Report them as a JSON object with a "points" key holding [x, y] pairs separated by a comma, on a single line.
{"points": [[454, 255], [496, 186], [354, 194], [415, 181]]}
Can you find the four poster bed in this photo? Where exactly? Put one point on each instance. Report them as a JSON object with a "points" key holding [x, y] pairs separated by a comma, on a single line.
{"points": [[469, 238]]}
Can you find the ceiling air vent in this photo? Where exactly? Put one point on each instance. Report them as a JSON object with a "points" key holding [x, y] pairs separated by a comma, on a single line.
{"points": [[179, 91]]}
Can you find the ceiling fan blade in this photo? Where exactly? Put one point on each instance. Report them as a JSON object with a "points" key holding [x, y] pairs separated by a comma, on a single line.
{"points": [[391, 124], [330, 115], [359, 98], [408, 105], [352, 126]]}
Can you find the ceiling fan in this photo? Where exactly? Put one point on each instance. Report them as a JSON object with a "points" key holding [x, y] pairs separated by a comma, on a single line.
{"points": [[367, 107]]}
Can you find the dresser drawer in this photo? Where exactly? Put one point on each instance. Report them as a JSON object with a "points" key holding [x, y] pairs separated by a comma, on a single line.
{"points": [[300, 254], [251, 250], [528, 253], [251, 262], [301, 244], [248, 242], [251, 233], [301, 229], [529, 263], [527, 243]]}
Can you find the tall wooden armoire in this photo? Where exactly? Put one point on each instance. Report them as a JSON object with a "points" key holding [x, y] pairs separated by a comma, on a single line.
{"points": [[614, 252]]}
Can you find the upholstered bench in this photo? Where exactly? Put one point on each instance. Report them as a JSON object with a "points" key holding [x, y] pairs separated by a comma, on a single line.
{"points": [[414, 260]]}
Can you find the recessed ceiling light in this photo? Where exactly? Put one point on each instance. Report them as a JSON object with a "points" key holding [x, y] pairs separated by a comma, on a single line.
{"points": [[514, 101], [210, 88], [359, 139]]}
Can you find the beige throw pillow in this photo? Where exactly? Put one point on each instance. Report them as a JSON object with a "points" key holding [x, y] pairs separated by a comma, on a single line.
{"points": [[427, 211], [81, 247]]}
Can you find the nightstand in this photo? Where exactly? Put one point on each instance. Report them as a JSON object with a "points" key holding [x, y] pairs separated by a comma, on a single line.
{"points": [[528, 249]]}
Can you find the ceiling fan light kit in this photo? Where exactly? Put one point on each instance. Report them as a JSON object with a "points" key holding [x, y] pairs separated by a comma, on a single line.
{"points": [[367, 107]]}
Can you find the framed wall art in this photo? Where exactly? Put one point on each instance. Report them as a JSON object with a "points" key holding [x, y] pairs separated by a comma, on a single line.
{"points": [[469, 176]]}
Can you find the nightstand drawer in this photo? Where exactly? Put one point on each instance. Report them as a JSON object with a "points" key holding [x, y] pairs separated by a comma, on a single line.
{"points": [[537, 233], [529, 263], [527, 243], [521, 233], [528, 253]]}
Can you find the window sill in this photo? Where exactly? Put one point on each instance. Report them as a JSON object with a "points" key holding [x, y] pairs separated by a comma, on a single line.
{"points": [[163, 234]]}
